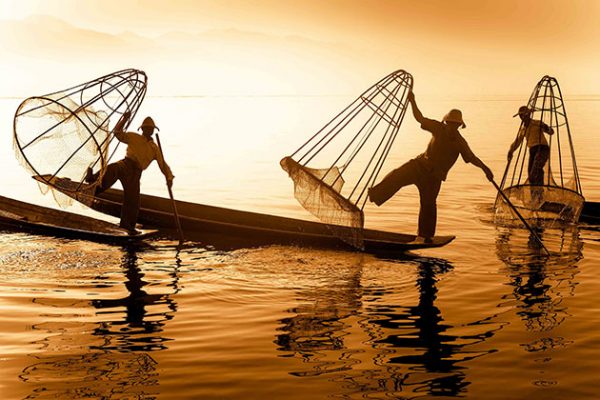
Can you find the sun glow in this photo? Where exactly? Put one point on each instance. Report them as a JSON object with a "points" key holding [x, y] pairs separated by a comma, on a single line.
{"points": [[337, 47]]}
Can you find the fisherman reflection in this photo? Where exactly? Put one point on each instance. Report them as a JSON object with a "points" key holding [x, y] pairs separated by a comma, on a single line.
{"points": [[539, 281], [323, 335], [115, 360], [405, 330], [132, 333]]}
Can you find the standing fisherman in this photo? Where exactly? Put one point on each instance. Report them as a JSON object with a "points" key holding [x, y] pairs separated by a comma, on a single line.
{"points": [[428, 170], [141, 151], [539, 151]]}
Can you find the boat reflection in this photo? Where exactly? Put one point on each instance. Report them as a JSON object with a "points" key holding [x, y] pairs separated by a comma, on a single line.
{"points": [[403, 346], [107, 354]]}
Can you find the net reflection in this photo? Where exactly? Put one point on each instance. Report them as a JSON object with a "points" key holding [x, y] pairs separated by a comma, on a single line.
{"points": [[319, 325], [375, 337], [108, 354]]}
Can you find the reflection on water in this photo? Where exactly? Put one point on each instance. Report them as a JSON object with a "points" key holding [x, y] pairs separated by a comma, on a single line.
{"points": [[319, 324], [539, 281], [540, 284], [346, 324], [411, 350], [140, 330], [109, 357]]}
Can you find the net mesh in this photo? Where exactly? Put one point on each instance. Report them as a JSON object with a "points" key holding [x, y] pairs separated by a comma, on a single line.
{"points": [[333, 170], [557, 196], [318, 191], [64, 133], [541, 202]]}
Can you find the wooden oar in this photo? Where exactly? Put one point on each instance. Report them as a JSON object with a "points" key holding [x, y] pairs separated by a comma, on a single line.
{"points": [[519, 215], [175, 213]]}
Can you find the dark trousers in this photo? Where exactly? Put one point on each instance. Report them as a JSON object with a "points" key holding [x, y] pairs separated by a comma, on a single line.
{"points": [[538, 156], [412, 173], [129, 173]]}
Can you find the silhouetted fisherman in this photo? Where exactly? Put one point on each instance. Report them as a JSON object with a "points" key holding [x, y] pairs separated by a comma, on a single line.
{"points": [[539, 152], [428, 170], [141, 151]]}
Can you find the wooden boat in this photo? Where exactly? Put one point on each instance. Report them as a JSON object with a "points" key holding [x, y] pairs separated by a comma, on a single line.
{"points": [[233, 228], [590, 213], [19, 215]]}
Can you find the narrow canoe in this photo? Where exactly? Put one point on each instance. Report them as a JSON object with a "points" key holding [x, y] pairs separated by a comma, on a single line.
{"points": [[590, 213], [229, 227], [15, 214]]}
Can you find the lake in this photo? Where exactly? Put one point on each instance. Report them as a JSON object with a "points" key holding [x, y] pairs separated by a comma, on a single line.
{"points": [[486, 316]]}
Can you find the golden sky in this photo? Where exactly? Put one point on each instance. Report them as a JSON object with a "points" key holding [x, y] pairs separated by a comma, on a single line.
{"points": [[452, 48]]}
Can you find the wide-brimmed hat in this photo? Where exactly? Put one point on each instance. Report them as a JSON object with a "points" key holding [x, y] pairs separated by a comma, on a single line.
{"points": [[454, 115], [148, 122], [523, 110]]}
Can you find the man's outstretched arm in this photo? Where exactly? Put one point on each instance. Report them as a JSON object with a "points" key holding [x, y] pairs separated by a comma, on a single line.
{"points": [[164, 167], [514, 145], [118, 130], [415, 109], [470, 157], [476, 161]]}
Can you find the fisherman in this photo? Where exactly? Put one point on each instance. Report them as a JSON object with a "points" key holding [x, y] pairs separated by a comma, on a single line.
{"points": [[428, 170], [141, 151], [539, 152]]}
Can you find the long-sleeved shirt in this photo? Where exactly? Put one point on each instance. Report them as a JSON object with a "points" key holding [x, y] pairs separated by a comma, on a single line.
{"points": [[143, 151]]}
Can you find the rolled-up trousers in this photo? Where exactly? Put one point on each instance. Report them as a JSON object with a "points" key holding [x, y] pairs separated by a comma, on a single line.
{"points": [[412, 173], [129, 173]]}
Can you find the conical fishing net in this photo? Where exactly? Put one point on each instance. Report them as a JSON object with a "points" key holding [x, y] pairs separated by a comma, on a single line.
{"points": [[333, 170], [61, 134], [556, 195]]}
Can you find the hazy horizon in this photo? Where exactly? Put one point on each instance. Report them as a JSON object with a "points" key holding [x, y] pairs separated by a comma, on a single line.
{"points": [[463, 49]]}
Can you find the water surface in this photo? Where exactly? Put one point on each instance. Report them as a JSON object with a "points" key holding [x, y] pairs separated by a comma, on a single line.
{"points": [[488, 316]]}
